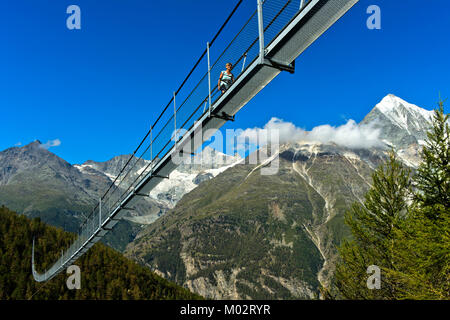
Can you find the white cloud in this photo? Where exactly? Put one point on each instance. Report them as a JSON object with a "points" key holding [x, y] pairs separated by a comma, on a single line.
{"points": [[18, 144], [51, 143], [349, 134]]}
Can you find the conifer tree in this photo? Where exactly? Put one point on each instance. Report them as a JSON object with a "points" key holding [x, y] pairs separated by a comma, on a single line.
{"points": [[433, 176], [106, 274], [409, 241], [373, 226], [424, 251]]}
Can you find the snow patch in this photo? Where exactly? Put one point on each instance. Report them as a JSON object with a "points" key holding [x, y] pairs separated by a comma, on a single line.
{"points": [[267, 161]]}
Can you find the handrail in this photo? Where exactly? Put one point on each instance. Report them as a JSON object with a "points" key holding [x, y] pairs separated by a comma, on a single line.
{"points": [[278, 14]]}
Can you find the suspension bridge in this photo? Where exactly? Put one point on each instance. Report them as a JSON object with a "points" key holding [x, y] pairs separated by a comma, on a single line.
{"points": [[260, 44]]}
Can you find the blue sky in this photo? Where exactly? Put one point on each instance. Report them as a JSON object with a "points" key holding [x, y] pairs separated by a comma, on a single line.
{"points": [[98, 89]]}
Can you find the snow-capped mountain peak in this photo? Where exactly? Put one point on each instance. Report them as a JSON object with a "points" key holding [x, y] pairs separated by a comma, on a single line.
{"points": [[403, 114], [400, 123]]}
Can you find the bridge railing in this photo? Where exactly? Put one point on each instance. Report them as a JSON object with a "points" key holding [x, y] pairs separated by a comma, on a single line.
{"points": [[195, 98], [237, 42]]}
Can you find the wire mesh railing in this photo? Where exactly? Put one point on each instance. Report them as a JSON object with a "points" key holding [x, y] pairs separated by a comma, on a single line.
{"points": [[237, 42]]}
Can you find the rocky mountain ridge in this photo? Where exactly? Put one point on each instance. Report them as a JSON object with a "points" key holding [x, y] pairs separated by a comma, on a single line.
{"points": [[37, 183]]}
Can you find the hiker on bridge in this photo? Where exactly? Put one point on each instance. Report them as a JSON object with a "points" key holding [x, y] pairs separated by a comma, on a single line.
{"points": [[226, 78]]}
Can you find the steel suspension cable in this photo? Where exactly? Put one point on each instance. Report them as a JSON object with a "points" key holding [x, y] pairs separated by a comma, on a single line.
{"points": [[169, 103]]}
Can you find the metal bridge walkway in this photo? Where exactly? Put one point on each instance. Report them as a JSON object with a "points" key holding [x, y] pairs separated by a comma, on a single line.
{"points": [[275, 34]]}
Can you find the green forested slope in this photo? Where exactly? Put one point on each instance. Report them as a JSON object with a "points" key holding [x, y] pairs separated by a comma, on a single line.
{"points": [[105, 273]]}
